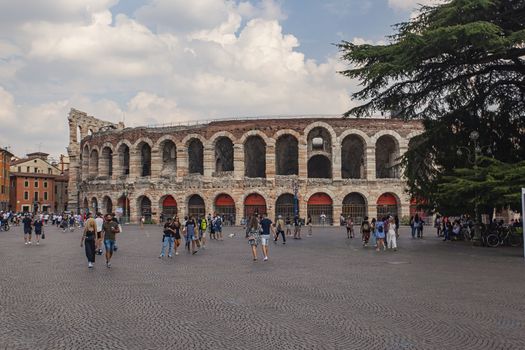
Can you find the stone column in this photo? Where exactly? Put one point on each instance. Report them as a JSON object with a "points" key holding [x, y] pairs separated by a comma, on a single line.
{"points": [[336, 162], [103, 165], [270, 161], [371, 163], [239, 212], [117, 169], [134, 164], [208, 161], [238, 161], [372, 210], [303, 161], [133, 210], [182, 163], [156, 162]]}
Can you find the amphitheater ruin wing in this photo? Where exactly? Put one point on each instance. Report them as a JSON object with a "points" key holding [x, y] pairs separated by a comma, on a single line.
{"points": [[237, 167]]}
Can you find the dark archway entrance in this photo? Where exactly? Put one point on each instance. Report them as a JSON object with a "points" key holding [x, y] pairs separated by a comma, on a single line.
{"points": [[255, 157], [353, 158], [223, 155], [387, 205], [196, 157], [196, 207], [254, 203], [287, 155], [320, 167], [169, 207], [320, 208], [225, 207], [284, 206], [354, 206], [144, 205]]}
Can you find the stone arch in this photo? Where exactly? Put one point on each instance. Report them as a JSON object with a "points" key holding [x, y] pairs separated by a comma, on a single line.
{"points": [[224, 205], [320, 207], [196, 206], [355, 207], [255, 202], [319, 167], [94, 207], [285, 205], [387, 156], [106, 160], [267, 140], [123, 203], [353, 157], [320, 139], [93, 163], [255, 157], [85, 205], [224, 154], [320, 124], [144, 207], [84, 157], [168, 206], [168, 153], [195, 149], [123, 151], [143, 148], [220, 134], [388, 203], [287, 155], [107, 204]]}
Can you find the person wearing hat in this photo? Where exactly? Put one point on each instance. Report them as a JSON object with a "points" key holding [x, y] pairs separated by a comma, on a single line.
{"points": [[279, 229]]}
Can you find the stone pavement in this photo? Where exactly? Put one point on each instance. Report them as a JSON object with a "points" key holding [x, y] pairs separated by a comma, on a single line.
{"points": [[324, 292]]}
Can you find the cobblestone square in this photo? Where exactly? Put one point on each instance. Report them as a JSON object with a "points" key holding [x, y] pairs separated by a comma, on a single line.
{"points": [[321, 292]]}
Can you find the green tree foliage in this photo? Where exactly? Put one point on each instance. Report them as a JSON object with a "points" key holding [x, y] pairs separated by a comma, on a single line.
{"points": [[457, 67]]}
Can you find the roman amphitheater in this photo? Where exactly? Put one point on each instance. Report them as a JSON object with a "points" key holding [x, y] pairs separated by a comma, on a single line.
{"points": [[236, 167]]}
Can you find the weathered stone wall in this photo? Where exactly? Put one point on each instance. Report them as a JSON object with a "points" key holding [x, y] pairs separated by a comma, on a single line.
{"points": [[182, 185]]}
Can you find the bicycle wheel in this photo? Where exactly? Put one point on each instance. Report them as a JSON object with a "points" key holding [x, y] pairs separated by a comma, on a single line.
{"points": [[514, 240], [492, 240]]}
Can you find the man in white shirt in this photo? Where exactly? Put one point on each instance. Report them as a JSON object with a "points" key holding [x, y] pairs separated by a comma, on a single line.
{"points": [[100, 223]]}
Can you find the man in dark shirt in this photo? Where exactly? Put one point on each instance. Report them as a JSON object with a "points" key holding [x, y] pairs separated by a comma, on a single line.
{"points": [[109, 230], [27, 229], [266, 225], [38, 229]]}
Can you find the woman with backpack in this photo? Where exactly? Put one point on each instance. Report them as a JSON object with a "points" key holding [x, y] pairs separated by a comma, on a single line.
{"points": [[379, 234], [365, 231]]}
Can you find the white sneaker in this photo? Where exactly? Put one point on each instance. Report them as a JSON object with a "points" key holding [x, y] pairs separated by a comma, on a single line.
{"points": [[265, 258], [37, 243], [29, 242], [90, 264], [176, 253], [25, 243]]}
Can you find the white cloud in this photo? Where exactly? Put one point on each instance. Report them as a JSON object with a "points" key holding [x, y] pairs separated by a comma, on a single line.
{"points": [[224, 59], [410, 5]]}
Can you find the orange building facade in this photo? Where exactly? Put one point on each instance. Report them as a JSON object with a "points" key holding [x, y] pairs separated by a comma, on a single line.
{"points": [[5, 163]]}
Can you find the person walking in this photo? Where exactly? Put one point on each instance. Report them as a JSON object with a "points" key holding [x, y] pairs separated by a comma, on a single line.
{"points": [[380, 234], [288, 223], [176, 226], [100, 223], [168, 239], [309, 224], [27, 229], [253, 235], [203, 227], [189, 231], [109, 231], [39, 228], [349, 228], [297, 227], [373, 240], [365, 231], [391, 234], [279, 229], [217, 226], [266, 226], [88, 240]]}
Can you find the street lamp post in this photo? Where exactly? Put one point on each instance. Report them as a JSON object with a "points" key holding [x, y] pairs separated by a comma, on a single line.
{"points": [[125, 195], [473, 157], [295, 187]]}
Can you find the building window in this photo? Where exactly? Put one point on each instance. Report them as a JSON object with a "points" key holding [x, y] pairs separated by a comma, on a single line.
{"points": [[45, 196], [26, 195], [56, 189], [36, 169], [45, 184], [3, 189], [36, 197], [28, 169], [26, 183], [36, 184], [49, 171], [19, 169]]}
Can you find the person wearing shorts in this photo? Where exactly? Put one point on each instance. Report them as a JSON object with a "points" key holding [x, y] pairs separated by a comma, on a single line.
{"points": [[191, 239], [266, 226], [27, 229], [100, 223], [109, 230], [39, 227], [176, 226]]}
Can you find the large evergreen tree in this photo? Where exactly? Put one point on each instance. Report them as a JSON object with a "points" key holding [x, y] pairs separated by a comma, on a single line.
{"points": [[458, 66]]}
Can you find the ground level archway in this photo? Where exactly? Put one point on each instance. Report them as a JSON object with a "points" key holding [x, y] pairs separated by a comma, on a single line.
{"points": [[225, 207], [321, 209], [196, 207], [254, 203], [387, 204], [168, 207], [123, 209], [144, 208], [354, 207], [107, 204], [284, 206]]}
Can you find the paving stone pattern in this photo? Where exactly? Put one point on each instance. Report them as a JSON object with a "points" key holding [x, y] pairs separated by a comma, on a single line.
{"points": [[324, 292]]}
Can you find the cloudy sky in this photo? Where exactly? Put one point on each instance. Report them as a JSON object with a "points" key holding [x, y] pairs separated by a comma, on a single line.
{"points": [[161, 61]]}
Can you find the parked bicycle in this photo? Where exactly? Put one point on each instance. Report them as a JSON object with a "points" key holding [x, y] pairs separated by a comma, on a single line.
{"points": [[504, 236]]}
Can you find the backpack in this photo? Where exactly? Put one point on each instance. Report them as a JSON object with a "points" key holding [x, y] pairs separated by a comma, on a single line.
{"points": [[366, 226], [380, 227], [203, 224]]}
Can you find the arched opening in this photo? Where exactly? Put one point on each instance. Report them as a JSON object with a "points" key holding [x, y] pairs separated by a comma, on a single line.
{"points": [[319, 167], [387, 204], [223, 155], [144, 206], [353, 158], [319, 140], [287, 155], [79, 134], [145, 159], [123, 209], [255, 157], [90, 132], [195, 157], [107, 203], [85, 162], [168, 207], [169, 159], [93, 164], [254, 203], [94, 205], [123, 156], [196, 207], [387, 153], [106, 162], [225, 207], [284, 206], [354, 206], [320, 208]]}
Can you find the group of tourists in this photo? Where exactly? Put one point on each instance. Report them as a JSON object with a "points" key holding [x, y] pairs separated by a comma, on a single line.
{"points": [[102, 229], [194, 230], [375, 232]]}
